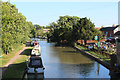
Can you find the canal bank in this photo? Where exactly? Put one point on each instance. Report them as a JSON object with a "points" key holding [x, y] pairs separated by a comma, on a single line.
{"points": [[113, 71], [105, 64]]}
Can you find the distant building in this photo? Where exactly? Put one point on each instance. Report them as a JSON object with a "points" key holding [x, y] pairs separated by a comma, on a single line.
{"points": [[111, 32], [46, 30], [98, 28]]}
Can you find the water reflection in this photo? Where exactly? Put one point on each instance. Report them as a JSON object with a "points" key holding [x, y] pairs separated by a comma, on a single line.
{"points": [[65, 62], [85, 69]]}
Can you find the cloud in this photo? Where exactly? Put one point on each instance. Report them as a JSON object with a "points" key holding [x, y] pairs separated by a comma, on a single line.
{"points": [[61, 0]]}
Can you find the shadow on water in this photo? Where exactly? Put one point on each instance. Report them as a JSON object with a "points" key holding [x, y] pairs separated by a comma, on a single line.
{"points": [[85, 69]]}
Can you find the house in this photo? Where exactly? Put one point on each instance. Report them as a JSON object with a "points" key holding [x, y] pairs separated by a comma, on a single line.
{"points": [[111, 32]]}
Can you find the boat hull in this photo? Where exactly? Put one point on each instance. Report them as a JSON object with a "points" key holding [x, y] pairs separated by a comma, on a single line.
{"points": [[29, 76]]}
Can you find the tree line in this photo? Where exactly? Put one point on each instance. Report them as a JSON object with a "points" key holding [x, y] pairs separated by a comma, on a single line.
{"points": [[69, 29], [39, 31], [15, 29]]}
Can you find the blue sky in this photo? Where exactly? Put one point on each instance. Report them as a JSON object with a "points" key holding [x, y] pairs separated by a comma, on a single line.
{"points": [[43, 13]]}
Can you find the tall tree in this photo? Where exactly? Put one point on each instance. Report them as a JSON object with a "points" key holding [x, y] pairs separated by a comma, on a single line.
{"points": [[69, 29], [61, 31], [85, 30], [16, 30]]}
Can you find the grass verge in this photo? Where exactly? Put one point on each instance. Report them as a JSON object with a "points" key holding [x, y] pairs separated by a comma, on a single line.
{"points": [[102, 57], [16, 70], [5, 58]]}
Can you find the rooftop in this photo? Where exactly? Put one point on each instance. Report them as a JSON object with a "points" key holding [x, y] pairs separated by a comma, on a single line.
{"points": [[108, 28]]}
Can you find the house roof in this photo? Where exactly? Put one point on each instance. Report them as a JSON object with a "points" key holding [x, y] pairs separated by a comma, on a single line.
{"points": [[97, 28], [117, 33], [108, 28]]}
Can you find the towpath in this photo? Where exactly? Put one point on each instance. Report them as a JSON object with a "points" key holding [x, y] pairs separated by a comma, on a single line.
{"points": [[12, 60]]}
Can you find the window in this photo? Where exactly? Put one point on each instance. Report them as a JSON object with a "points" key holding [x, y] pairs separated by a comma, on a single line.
{"points": [[106, 34]]}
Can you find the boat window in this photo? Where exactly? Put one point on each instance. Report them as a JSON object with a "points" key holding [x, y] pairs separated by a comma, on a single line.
{"points": [[35, 63]]}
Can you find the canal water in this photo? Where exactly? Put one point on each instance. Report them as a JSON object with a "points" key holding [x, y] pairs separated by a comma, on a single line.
{"points": [[66, 62]]}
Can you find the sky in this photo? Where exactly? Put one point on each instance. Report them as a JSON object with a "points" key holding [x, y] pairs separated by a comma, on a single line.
{"points": [[62, 0], [44, 12]]}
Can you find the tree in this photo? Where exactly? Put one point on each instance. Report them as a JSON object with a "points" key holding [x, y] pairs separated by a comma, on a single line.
{"points": [[53, 25], [69, 29], [16, 30], [61, 32], [85, 30], [37, 31]]}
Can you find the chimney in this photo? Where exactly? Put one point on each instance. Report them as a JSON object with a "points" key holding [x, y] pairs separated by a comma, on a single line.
{"points": [[113, 25]]}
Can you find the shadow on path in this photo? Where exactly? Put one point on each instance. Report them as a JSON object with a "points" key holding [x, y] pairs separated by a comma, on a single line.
{"points": [[14, 71], [26, 52]]}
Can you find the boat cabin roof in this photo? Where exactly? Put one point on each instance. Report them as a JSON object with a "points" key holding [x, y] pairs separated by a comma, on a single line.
{"points": [[35, 62]]}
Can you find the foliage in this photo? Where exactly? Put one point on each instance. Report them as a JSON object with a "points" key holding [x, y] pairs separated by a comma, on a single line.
{"points": [[15, 28], [85, 30], [69, 29], [39, 31], [61, 32]]}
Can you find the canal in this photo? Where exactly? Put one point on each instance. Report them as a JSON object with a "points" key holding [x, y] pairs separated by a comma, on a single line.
{"points": [[65, 62]]}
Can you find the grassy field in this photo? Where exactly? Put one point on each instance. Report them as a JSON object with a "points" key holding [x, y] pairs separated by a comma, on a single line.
{"points": [[16, 70]]}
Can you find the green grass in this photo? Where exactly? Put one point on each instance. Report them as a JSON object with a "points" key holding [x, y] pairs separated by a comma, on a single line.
{"points": [[108, 52], [102, 57], [5, 58], [16, 70]]}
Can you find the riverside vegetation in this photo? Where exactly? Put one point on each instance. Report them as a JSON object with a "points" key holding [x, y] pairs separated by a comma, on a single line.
{"points": [[15, 29], [69, 29]]}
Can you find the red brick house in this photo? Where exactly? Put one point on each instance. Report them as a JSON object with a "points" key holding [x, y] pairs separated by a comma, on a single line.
{"points": [[111, 32]]}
